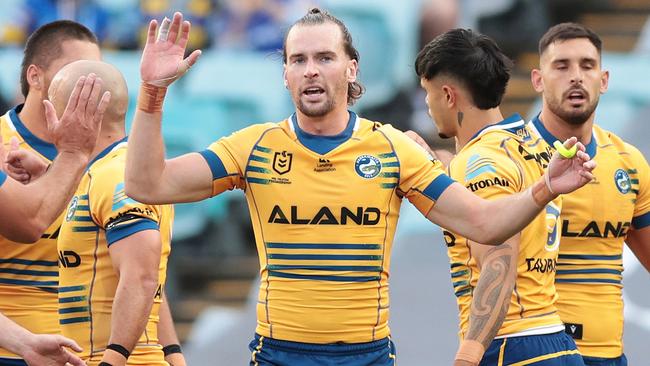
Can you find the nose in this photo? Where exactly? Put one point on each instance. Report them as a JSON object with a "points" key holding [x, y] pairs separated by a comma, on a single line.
{"points": [[311, 69], [576, 75]]}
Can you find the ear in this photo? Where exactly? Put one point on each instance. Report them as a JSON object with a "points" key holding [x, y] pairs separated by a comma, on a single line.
{"points": [[34, 77], [352, 70], [604, 82], [450, 96], [536, 80]]}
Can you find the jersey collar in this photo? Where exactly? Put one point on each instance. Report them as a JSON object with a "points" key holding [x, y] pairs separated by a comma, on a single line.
{"points": [[590, 149], [42, 147], [114, 146], [324, 144], [512, 122]]}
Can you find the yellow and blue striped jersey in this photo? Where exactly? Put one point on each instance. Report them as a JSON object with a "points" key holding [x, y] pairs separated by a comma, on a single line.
{"points": [[595, 221], [501, 160], [324, 212], [29, 273], [99, 215]]}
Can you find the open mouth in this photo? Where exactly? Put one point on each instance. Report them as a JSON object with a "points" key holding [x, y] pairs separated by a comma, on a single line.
{"points": [[314, 91], [577, 96]]}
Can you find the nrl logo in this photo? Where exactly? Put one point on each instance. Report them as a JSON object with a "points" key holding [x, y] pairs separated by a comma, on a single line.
{"points": [[282, 162]]}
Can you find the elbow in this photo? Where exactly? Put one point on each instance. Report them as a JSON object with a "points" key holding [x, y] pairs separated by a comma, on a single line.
{"points": [[485, 230], [29, 232], [137, 192]]}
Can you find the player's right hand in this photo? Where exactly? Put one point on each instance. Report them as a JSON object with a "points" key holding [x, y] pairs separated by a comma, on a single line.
{"points": [[77, 130], [23, 165], [51, 350], [162, 58]]}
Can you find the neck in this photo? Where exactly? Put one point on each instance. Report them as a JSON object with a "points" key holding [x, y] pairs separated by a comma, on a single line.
{"points": [[33, 117], [107, 137], [564, 130], [474, 120], [330, 124]]}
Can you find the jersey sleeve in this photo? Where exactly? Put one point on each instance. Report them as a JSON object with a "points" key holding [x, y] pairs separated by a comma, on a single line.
{"points": [[229, 156], [641, 183], [3, 178], [118, 214], [488, 171], [422, 179]]}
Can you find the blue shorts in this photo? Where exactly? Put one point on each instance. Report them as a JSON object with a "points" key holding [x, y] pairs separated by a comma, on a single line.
{"points": [[597, 361], [556, 349], [12, 362], [274, 352]]}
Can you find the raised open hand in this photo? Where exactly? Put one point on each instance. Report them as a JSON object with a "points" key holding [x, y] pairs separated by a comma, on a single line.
{"points": [[162, 58], [566, 175], [77, 130]]}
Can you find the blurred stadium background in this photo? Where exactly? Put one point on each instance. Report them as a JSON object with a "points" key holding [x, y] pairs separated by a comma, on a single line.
{"points": [[238, 81]]}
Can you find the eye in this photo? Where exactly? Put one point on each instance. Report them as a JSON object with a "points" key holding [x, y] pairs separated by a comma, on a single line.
{"points": [[298, 60]]}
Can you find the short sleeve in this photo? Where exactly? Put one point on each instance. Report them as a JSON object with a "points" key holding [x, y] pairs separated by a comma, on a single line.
{"points": [[118, 214], [3, 178], [422, 178], [229, 156], [640, 181]]}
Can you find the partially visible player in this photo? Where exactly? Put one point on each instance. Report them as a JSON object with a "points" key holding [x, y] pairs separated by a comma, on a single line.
{"points": [[113, 249], [324, 188], [599, 217], [496, 157], [29, 273]]}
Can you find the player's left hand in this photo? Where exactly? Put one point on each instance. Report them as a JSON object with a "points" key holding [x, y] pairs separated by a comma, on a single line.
{"points": [[51, 350], [23, 165], [162, 58], [567, 175]]}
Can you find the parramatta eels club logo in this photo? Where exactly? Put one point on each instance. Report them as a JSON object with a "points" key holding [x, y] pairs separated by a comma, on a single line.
{"points": [[367, 166], [282, 162], [72, 208], [622, 180]]}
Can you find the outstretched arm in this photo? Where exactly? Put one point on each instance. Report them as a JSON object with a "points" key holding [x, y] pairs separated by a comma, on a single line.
{"points": [[149, 177], [493, 222], [28, 210], [491, 298], [639, 241]]}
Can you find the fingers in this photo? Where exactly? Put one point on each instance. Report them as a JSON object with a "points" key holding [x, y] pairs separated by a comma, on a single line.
{"points": [[570, 142], [185, 65], [66, 342], [185, 34], [151, 33], [94, 97], [175, 27], [163, 33], [50, 114], [14, 144], [74, 97], [73, 359], [84, 95], [101, 108]]}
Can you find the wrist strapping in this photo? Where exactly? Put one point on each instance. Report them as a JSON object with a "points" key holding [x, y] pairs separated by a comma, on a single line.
{"points": [[151, 97], [471, 351], [119, 349], [171, 348]]}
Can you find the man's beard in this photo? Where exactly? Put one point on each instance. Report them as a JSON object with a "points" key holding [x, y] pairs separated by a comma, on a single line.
{"points": [[572, 116], [316, 111]]}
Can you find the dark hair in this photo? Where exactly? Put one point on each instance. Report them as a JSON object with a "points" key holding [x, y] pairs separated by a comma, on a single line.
{"points": [[44, 45], [471, 58], [315, 16], [566, 31]]}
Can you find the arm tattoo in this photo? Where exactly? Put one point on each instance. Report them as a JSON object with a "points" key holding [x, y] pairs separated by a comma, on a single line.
{"points": [[492, 294]]}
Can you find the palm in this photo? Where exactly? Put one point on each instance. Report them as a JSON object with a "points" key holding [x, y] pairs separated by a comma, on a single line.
{"points": [[567, 175], [162, 59]]}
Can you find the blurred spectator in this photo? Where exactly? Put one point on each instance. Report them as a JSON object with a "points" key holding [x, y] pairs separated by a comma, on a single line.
{"points": [[257, 25], [437, 17]]}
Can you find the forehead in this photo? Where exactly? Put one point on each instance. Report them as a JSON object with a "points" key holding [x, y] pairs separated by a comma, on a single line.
{"points": [[571, 49], [306, 39]]}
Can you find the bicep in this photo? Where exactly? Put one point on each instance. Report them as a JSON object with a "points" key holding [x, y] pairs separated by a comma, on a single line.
{"points": [[140, 250], [638, 240], [187, 178], [16, 217]]}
